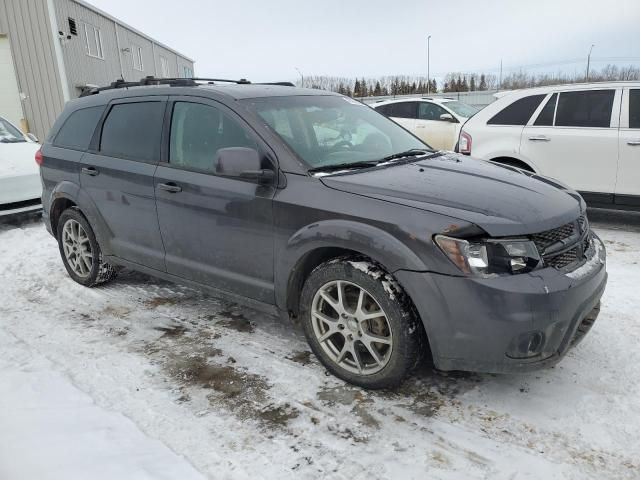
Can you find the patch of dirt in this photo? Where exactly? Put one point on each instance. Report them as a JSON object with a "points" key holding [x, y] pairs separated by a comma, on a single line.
{"points": [[156, 302], [360, 402], [278, 416], [118, 312], [235, 321], [303, 358], [172, 330]]}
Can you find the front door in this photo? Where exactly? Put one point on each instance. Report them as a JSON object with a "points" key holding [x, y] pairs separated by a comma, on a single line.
{"points": [[117, 173], [440, 134], [216, 230], [628, 187], [579, 145]]}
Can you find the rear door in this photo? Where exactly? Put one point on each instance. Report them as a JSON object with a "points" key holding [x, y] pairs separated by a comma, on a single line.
{"points": [[438, 133], [405, 114], [628, 186], [117, 173], [574, 138], [216, 230]]}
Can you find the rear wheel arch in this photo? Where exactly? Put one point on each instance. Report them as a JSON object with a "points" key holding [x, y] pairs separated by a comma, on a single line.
{"points": [[514, 162], [58, 206]]}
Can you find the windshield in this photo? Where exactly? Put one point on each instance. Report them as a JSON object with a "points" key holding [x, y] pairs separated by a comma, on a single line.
{"points": [[9, 133], [462, 109], [333, 130]]}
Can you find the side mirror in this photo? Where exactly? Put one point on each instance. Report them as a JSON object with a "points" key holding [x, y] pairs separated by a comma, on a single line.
{"points": [[243, 163], [32, 137], [447, 117]]}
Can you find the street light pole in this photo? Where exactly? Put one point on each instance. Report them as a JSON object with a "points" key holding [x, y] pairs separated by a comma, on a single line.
{"points": [[301, 77], [428, 61], [589, 61]]}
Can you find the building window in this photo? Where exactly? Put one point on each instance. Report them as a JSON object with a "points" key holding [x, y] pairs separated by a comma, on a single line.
{"points": [[164, 67], [92, 41], [136, 53], [187, 72]]}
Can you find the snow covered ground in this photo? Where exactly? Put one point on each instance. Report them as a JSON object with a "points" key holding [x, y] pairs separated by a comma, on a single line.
{"points": [[145, 379]]}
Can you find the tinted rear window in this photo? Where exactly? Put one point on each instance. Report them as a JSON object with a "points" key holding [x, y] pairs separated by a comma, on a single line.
{"points": [[133, 131], [518, 113], [634, 109], [404, 110], [546, 115], [77, 130], [591, 108], [384, 109]]}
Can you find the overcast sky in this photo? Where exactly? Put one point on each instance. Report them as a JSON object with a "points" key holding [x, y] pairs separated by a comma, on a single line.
{"points": [[265, 40]]}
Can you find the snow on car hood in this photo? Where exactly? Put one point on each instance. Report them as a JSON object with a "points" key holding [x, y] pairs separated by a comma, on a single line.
{"points": [[18, 159], [502, 201]]}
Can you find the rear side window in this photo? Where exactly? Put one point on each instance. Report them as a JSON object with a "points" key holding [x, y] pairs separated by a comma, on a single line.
{"points": [[403, 110], [133, 131], [634, 109], [590, 108], [430, 111], [384, 110], [546, 115], [77, 130], [518, 113]]}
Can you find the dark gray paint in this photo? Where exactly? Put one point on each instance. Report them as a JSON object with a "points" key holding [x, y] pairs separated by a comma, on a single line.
{"points": [[249, 241]]}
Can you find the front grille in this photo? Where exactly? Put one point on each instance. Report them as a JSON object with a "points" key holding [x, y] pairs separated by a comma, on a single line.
{"points": [[565, 247]]}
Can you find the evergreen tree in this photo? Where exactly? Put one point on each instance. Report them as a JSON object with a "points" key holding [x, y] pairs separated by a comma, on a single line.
{"points": [[483, 82], [458, 85], [472, 83], [464, 87], [356, 88], [363, 88], [433, 86], [377, 91]]}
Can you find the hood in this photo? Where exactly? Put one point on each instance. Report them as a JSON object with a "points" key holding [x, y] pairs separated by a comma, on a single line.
{"points": [[18, 159], [501, 200]]}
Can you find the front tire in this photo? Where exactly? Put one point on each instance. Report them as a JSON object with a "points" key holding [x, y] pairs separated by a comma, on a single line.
{"points": [[360, 324], [80, 251]]}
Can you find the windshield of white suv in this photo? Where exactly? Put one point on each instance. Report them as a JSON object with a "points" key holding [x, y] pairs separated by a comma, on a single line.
{"points": [[9, 133], [462, 109], [327, 131]]}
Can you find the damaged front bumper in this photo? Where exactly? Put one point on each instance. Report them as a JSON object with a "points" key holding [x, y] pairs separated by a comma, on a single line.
{"points": [[507, 323]]}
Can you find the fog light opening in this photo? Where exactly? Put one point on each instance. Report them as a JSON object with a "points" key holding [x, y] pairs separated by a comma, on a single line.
{"points": [[526, 345]]}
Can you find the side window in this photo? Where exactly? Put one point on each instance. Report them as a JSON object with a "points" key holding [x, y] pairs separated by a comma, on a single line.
{"points": [[589, 108], [384, 110], [634, 108], [546, 115], [403, 110], [197, 133], [77, 130], [518, 113], [430, 111], [133, 131]]}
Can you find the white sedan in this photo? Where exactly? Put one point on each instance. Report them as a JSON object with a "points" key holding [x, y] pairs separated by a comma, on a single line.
{"points": [[437, 121], [20, 185]]}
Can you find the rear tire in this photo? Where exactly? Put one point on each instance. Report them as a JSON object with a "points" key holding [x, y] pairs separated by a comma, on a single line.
{"points": [[80, 251], [360, 324]]}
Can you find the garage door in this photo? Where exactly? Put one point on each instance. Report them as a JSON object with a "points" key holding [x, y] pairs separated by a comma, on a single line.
{"points": [[10, 106]]}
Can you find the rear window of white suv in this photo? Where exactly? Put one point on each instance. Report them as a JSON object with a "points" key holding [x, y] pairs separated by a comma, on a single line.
{"points": [[518, 113]]}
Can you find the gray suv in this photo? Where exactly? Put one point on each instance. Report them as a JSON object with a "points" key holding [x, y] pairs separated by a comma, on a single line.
{"points": [[314, 206]]}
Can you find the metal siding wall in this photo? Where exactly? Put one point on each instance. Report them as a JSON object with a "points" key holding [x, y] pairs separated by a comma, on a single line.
{"points": [[182, 62], [171, 61], [82, 68], [129, 39], [27, 25]]}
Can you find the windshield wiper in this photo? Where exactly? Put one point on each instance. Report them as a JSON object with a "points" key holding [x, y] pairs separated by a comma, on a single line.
{"points": [[414, 152], [344, 166], [12, 140]]}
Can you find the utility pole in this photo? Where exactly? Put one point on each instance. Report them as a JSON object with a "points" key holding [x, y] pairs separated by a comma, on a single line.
{"points": [[428, 61], [500, 81], [301, 77], [589, 61]]}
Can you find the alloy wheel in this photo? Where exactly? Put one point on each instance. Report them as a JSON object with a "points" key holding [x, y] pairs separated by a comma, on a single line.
{"points": [[351, 327], [77, 248]]}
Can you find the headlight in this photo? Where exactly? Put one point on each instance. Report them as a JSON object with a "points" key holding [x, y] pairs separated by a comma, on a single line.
{"points": [[490, 256]]}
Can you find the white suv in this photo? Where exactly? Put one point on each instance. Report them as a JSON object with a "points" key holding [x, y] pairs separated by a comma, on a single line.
{"points": [[586, 135], [436, 121]]}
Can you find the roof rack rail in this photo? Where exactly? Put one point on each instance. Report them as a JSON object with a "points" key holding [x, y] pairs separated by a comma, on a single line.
{"points": [[173, 82]]}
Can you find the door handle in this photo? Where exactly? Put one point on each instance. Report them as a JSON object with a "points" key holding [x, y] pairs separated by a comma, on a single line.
{"points": [[93, 171], [169, 187], [540, 138], [634, 143]]}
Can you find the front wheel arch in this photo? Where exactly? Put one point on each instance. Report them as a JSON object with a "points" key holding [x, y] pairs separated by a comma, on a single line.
{"points": [[514, 162]]}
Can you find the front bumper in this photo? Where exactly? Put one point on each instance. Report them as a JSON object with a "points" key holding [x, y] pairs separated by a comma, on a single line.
{"points": [[473, 323]]}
